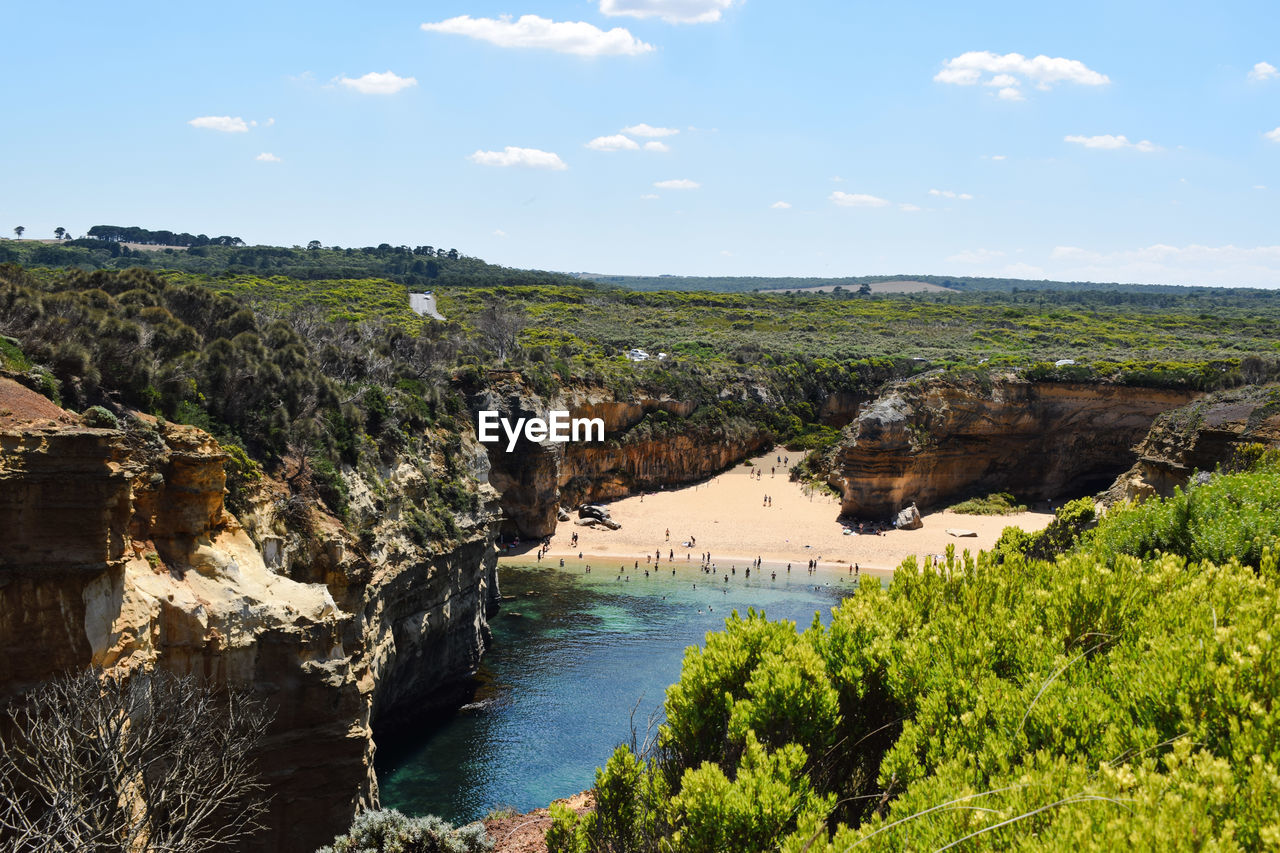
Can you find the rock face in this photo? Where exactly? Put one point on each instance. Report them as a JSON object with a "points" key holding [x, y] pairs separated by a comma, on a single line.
{"points": [[928, 441], [537, 478], [1199, 437], [116, 551]]}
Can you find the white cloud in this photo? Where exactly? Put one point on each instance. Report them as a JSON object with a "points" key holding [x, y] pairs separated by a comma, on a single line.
{"points": [[780, 205], [671, 11], [857, 200], [998, 157], [225, 124], [1010, 70], [1003, 80], [613, 143], [647, 130], [909, 208], [268, 157], [1273, 135], [1113, 143], [1263, 71], [650, 196], [373, 83], [1259, 186], [498, 232], [1236, 266], [975, 256], [951, 194], [512, 156], [677, 184], [726, 253], [654, 145], [531, 31]]}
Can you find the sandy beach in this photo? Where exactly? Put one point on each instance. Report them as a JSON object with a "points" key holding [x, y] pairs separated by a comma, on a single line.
{"points": [[727, 517]]}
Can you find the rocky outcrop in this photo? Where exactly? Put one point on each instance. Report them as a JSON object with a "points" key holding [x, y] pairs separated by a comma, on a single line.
{"points": [[1199, 437], [931, 440], [116, 551], [604, 472], [535, 479]]}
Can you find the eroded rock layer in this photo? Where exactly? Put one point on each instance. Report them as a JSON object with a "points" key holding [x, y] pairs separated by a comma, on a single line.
{"points": [[116, 551], [932, 440], [1199, 437], [535, 479]]}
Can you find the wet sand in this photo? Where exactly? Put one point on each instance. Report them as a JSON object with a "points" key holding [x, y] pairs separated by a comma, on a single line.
{"points": [[728, 518]]}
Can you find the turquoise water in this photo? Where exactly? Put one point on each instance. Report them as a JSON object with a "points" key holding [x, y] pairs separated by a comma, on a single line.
{"points": [[560, 682]]}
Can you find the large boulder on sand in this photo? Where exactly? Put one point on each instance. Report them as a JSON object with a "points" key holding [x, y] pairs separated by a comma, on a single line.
{"points": [[593, 511], [909, 519]]}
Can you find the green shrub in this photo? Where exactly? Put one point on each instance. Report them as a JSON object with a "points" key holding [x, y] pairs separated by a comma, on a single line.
{"points": [[389, 831], [996, 503], [96, 416], [1123, 694]]}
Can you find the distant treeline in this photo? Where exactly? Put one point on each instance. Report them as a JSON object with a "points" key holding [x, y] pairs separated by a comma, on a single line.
{"points": [[426, 266], [417, 267], [743, 284], [134, 234]]}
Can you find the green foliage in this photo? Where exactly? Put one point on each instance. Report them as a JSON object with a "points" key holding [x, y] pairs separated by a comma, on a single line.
{"points": [[996, 503], [330, 484], [389, 831], [567, 832], [768, 795], [11, 357], [1069, 521], [97, 416], [419, 267], [1121, 694], [1228, 517]]}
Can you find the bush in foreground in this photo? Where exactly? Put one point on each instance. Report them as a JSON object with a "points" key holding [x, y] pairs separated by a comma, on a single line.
{"points": [[1120, 695], [390, 831]]}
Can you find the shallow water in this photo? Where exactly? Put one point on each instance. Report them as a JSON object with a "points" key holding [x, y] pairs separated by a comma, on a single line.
{"points": [[560, 682]]}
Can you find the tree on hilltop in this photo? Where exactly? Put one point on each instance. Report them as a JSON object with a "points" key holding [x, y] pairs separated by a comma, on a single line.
{"points": [[19, 231]]}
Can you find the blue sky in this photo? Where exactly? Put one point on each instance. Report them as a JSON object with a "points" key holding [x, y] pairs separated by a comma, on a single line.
{"points": [[1109, 140]]}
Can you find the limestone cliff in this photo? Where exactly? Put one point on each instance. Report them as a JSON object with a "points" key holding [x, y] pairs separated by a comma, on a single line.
{"points": [[116, 550], [1199, 437], [935, 439], [537, 478]]}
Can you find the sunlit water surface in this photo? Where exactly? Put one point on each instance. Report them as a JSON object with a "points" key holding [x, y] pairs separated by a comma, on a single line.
{"points": [[573, 654]]}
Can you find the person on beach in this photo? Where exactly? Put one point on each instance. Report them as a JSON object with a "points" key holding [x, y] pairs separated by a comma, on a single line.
{"points": [[668, 534]]}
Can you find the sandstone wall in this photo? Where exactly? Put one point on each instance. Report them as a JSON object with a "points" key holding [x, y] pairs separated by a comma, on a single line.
{"points": [[1199, 437], [116, 551], [933, 440], [535, 479]]}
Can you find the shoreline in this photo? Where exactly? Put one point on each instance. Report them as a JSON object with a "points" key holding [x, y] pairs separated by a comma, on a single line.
{"points": [[728, 517]]}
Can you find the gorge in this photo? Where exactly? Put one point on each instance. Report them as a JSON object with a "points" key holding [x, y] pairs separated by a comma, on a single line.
{"points": [[119, 550]]}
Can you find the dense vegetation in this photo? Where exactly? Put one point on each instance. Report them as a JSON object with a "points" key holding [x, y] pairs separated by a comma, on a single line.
{"points": [[996, 503], [392, 832], [292, 390], [419, 266], [340, 371], [134, 234], [1123, 694], [806, 348]]}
